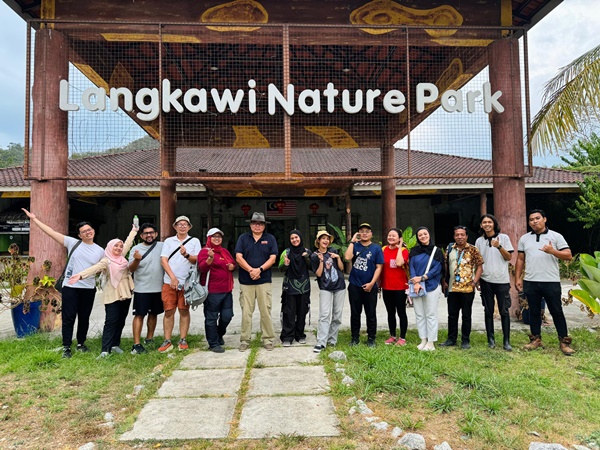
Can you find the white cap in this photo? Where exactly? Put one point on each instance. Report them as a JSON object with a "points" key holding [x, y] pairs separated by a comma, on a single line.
{"points": [[214, 231]]}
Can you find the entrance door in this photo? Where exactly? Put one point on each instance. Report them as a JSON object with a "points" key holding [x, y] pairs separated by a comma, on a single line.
{"points": [[280, 228]]}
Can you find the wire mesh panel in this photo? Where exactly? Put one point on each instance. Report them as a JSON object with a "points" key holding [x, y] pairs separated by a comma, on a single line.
{"points": [[277, 103]]}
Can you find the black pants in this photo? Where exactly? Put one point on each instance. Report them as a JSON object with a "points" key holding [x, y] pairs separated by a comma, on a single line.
{"points": [[502, 293], [76, 303], [358, 298], [116, 314], [551, 292], [395, 302], [218, 312], [294, 309], [457, 302]]}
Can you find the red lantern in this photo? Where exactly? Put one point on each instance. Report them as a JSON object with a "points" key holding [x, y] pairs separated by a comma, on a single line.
{"points": [[314, 207], [246, 209], [280, 204]]}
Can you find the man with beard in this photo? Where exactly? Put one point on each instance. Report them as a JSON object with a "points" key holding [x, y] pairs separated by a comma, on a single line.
{"points": [[144, 263]]}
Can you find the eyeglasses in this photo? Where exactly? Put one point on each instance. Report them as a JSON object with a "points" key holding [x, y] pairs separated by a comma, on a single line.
{"points": [[460, 227], [149, 233], [88, 231], [216, 236], [257, 223], [182, 224]]}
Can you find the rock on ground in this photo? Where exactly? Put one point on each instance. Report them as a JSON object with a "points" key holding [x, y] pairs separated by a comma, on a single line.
{"points": [[396, 432], [443, 446], [413, 441], [88, 446], [545, 446], [338, 355]]}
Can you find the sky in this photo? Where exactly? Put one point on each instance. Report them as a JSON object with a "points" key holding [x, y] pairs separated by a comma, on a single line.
{"points": [[567, 32]]}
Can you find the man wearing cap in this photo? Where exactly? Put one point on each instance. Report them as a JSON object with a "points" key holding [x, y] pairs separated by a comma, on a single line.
{"points": [[178, 256], [216, 263], [329, 269], [145, 264], [255, 252], [367, 265]]}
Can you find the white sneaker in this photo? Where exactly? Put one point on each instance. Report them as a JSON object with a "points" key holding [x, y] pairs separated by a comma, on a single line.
{"points": [[116, 350], [103, 355], [286, 344]]}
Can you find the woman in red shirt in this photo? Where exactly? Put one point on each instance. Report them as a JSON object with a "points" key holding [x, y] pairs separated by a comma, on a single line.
{"points": [[394, 283], [218, 263]]}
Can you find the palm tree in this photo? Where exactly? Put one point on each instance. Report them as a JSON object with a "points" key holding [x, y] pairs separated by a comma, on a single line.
{"points": [[569, 98]]}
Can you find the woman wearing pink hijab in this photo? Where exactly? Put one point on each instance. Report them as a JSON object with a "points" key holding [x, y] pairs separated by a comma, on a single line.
{"points": [[116, 292]]}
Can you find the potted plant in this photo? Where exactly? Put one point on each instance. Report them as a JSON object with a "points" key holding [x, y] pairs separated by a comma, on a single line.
{"points": [[589, 283], [14, 270], [43, 289]]}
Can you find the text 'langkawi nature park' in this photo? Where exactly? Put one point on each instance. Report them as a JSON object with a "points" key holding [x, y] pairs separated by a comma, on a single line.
{"points": [[149, 101]]}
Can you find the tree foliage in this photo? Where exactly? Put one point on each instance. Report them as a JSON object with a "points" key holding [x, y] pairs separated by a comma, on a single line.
{"points": [[570, 98], [584, 156], [12, 156]]}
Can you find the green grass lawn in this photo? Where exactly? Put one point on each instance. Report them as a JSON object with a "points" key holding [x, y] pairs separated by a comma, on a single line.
{"points": [[475, 399]]}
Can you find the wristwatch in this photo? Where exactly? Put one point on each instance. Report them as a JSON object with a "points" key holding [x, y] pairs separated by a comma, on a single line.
{"points": [[261, 269], [499, 247]]}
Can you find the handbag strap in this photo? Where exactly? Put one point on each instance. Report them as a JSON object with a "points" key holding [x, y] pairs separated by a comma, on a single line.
{"points": [[430, 260], [177, 249], [149, 250], [69, 257]]}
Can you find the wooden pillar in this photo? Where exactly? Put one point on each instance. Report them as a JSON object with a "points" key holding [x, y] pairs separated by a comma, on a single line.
{"points": [[168, 192], [507, 142], [482, 203], [388, 191], [49, 155]]}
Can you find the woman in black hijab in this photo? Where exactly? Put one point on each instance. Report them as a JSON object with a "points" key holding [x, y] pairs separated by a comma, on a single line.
{"points": [[295, 298], [421, 275]]}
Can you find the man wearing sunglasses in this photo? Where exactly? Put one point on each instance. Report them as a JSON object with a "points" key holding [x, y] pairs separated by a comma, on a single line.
{"points": [[464, 266], [145, 264], [77, 298]]}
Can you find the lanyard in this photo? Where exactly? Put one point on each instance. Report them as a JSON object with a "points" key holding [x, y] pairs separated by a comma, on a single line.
{"points": [[458, 261]]}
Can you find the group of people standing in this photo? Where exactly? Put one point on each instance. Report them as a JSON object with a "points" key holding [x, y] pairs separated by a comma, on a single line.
{"points": [[155, 273]]}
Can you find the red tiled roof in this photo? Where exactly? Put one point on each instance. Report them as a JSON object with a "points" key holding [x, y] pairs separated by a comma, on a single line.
{"points": [[145, 163]]}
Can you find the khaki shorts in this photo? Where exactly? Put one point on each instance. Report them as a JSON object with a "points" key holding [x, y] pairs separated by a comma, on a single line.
{"points": [[173, 298]]}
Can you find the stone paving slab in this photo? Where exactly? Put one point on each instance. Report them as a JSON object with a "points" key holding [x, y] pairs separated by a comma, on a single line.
{"points": [[285, 356], [183, 418], [288, 380], [209, 360], [311, 415], [196, 383]]}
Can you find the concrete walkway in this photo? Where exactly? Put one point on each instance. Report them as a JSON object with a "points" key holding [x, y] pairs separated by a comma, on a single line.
{"points": [[223, 396]]}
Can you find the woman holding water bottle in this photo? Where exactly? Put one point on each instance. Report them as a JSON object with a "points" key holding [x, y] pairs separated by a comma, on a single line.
{"points": [[117, 289], [394, 282]]}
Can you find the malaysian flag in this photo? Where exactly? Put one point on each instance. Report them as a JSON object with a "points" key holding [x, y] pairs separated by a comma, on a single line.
{"points": [[281, 208]]}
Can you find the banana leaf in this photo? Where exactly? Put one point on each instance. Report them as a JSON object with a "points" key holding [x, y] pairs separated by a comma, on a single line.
{"points": [[591, 287], [585, 298], [592, 272], [588, 259]]}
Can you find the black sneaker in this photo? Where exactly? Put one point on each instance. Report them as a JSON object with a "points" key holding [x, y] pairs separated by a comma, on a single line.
{"points": [[149, 341], [318, 348], [354, 342], [371, 343], [66, 352], [465, 346], [221, 341], [82, 348], [217, 349], [448, 343], [138, 349]]}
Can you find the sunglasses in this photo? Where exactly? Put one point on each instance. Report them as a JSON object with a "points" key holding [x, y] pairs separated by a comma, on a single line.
{"points": [[460, 227]]}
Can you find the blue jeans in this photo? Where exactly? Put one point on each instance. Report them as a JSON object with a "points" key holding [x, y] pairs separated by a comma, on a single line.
{"points": [[218, 312]]}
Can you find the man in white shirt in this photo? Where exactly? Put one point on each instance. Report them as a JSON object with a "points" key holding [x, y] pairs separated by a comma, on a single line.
{"points": [[178, 256], [539, 252], [496, 250], [77, 298]]}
